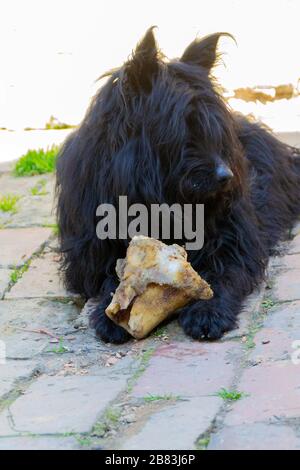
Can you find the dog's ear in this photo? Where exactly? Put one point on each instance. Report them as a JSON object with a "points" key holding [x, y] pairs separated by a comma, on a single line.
{"points": [[203, 52], [144, 62]]}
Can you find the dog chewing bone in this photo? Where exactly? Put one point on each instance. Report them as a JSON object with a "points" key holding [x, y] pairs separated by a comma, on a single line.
{"points": [[155, 280]]}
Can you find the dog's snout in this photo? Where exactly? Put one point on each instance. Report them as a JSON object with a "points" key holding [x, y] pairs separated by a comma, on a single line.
{"points": [[223, 173]]}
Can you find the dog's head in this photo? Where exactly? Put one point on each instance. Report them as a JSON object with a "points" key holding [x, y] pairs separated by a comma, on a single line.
{"points": [[166, 133]]}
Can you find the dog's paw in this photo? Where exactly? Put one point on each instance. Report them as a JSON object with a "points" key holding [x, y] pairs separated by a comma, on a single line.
{"points": [[205, 322], [105, 328]]}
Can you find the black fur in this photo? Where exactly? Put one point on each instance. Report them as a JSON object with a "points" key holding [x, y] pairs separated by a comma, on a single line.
{"points": [[156, 132]]}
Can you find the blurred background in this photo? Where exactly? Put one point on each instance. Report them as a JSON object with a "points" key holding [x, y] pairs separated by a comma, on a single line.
{"points": [[53, 51]]}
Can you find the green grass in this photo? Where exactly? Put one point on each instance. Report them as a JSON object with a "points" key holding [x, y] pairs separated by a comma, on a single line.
{"points": [[250, 343], [60, 349], [55, 228], [84, 441], [112, 415], [17, 273], [144, 361], [39, 188], [202, 443], [267, 303], [54, 123], [160, 332], [8, 203], [37, 162], [151, 398], [230, 395], [99, 429]]}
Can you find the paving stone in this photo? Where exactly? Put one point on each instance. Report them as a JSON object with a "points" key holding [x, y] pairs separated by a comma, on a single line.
{"points": [[41, 280], [287, 285], [38, 443], [176, 427], [32, 211], [296, 229], [295, 245], [4, 280], [18, 316], [274, 392], [12, 371], [57, 405], [188, 369], [281, 328], [291, 261], [17, 245], [250, 308], [22, 185], [5, 167], [258, 436]]}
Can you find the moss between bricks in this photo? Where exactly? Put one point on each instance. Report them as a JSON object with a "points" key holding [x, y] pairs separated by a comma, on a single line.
{"points": [[257, 322], [17, 273], [168, 397], [230, 395], [202, 443], [144, 361]]}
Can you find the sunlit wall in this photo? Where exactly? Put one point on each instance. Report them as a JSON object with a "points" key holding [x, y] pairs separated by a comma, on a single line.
{"points": [[52, 51]]}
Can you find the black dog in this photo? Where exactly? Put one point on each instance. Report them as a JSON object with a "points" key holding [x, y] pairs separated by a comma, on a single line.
{"points": [[157, 132]]}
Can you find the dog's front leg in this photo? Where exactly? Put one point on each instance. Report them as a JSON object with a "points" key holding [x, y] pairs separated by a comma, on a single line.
{"points": [[210, 319], [105, 328]]}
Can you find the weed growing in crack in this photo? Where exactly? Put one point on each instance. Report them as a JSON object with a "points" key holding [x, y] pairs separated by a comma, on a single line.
{"points": [[152, 398], [17, 273], [230, 395]]}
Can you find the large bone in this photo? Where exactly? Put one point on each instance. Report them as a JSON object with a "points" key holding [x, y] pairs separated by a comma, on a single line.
{"points": [[155, 281]]}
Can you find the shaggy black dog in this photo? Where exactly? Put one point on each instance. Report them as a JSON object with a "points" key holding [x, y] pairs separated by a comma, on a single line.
{"points": [[158, 131]]}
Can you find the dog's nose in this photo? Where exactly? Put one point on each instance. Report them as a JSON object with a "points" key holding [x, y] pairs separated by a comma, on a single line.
{"points": [[223, 173]]}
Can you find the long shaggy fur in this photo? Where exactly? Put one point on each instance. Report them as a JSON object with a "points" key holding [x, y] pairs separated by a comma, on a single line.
{"points": [[156, 132]]}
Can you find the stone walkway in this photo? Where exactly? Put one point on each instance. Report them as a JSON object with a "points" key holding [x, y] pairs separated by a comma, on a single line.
{"points": [[60, 388]]}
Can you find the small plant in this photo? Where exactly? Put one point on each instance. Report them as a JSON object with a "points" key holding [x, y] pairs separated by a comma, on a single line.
{"points": [[99, 429], [37, 162], [160, 332], [39, 188], [8, 203], [55, 228], [151, 398], [267, 303], [84, 441], [230, 395], [112, 415], [17, 273], [54, 123], [144, 361], [60, 349], [202, 443]]}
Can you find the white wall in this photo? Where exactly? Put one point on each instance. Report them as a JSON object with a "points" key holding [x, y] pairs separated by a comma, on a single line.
{"points": [[52, 51]]}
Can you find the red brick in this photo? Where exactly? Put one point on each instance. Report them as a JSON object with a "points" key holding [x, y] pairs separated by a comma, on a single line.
{"points": [[274, 391], [17, 245], [258, 436], [175, 426], [281, 328], [291, 261], [188, 369], [287, 285], [295, 245]]}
